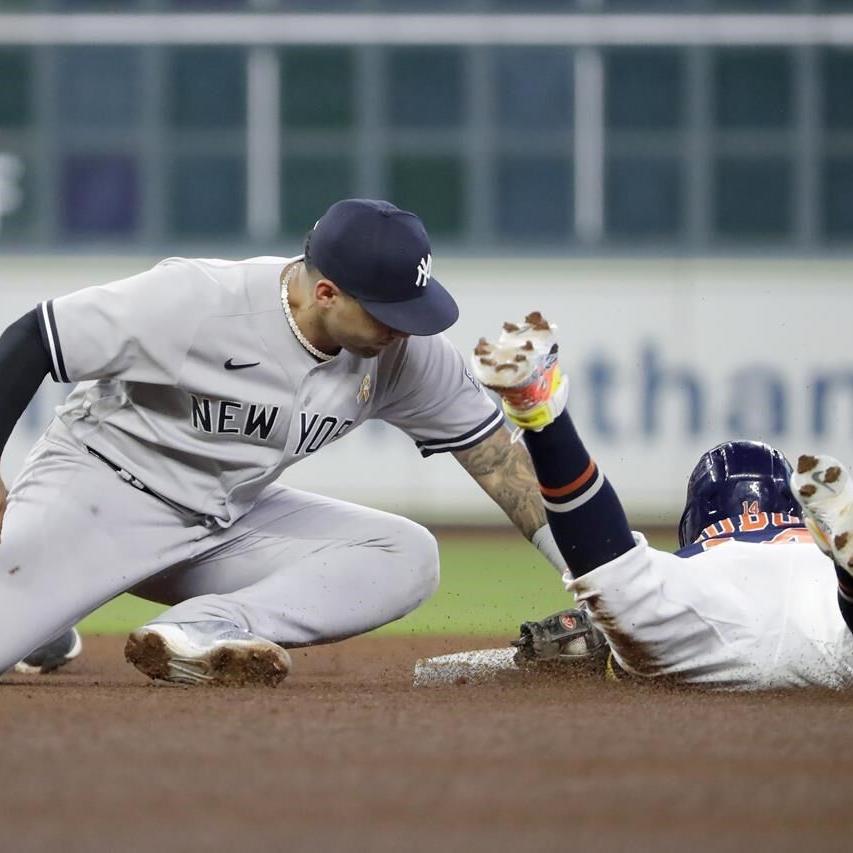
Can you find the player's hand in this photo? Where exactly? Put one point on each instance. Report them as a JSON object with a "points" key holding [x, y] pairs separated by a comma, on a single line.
{"points": [[3, 494]]}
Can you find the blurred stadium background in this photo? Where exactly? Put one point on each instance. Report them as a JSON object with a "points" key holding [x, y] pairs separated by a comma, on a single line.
{"points": [[671, 182]]}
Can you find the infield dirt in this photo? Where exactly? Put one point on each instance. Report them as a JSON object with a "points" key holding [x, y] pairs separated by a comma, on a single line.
{"points": [[346, 755]]}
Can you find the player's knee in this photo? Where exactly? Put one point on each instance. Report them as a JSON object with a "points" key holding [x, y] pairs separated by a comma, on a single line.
{"points": [[419, 551]]}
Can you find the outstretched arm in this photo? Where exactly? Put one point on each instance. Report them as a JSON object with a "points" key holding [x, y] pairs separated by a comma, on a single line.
{"points": [[505, 473]]}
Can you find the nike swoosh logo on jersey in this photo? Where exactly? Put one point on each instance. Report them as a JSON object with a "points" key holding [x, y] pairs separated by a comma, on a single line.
{"points": [[229, 365]]}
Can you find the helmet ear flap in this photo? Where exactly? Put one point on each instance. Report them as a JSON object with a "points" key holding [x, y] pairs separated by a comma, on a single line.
{"points": [[683, 526], [701, 493], [689, 527], [701, 510]]}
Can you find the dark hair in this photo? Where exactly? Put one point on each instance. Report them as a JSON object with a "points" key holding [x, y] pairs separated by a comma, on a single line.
{"points": [[306, 251]]}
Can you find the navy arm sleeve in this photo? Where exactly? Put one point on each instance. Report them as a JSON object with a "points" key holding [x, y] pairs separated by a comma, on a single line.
{"points": [[24, 362]]}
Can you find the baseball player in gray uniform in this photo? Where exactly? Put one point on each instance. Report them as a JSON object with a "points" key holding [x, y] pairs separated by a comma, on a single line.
{"points": [[199, 383]]}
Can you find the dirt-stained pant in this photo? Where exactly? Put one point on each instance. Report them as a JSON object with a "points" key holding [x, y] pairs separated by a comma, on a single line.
{"points": [[298, 568], [739, 616]]}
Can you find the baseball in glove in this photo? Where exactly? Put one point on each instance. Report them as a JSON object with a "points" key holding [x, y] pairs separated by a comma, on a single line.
{"points": [[565, 638]]}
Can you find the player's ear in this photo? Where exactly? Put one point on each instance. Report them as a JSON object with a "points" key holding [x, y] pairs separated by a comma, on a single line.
{"points": [[325, 292]]}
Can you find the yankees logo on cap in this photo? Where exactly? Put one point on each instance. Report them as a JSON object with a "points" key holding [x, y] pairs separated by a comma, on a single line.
{"points": [[370, 250], [424, 271]]}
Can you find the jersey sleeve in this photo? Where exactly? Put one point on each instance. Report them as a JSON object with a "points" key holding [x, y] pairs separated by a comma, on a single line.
{"points": [[138, 328], [433, 397]]}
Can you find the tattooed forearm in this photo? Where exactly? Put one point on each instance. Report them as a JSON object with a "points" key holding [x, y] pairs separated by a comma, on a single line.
{"points": [[505, 472]]}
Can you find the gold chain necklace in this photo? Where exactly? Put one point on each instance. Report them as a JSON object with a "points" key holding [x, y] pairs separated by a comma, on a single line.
{"points": [[319, 354]]}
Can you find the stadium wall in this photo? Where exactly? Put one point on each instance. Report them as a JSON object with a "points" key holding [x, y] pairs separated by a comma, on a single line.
{"points": [[666, 358]]}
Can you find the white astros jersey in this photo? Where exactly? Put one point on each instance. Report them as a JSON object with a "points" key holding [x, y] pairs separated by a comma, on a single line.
{"points": [[743, 615], [200, 390]]}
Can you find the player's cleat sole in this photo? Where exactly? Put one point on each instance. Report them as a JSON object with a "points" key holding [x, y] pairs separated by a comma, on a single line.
{"points": [[51, 656], [216, 654], [824, 489], [522, 367]]}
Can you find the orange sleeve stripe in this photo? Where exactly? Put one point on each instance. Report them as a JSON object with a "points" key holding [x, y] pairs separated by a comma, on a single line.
{"points": [[562, 491]]}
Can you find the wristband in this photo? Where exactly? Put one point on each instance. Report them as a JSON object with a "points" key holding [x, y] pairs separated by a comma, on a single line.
{"points": [[545, 543]]}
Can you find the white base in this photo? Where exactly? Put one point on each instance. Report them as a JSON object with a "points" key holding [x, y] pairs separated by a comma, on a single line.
{"points": [[475, 667]]}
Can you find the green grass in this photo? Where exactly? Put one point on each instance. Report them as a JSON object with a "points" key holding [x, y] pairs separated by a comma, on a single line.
{"points": [[120, 615], [489, 585]]}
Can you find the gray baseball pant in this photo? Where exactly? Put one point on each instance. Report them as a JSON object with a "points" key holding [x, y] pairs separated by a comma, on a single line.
{"points": [[297, 569]]}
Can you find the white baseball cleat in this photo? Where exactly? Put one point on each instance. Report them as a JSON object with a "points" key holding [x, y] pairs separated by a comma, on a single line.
{"points": [[824, 489], [522, 367], [52, 655], [211, 652]]}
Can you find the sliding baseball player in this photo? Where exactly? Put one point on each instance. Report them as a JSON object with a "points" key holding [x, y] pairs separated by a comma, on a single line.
{"points": [[747, 602]]}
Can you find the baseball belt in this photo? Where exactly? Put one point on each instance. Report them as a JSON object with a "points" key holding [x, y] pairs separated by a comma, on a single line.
{"points": [[134, 481]]}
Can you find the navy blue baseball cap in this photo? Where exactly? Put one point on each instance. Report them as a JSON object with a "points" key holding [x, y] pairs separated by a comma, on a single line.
{"points": [[381, 256]]}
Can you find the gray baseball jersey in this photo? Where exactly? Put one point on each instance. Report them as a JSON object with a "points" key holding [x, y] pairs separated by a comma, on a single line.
{"points": [[191, 380]]}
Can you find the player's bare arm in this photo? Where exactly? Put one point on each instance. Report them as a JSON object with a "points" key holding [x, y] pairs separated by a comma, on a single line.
{"points": [[505, 472]]}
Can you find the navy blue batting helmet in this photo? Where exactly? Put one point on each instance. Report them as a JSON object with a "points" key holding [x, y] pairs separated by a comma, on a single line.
{"points": [[729, 476]]}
